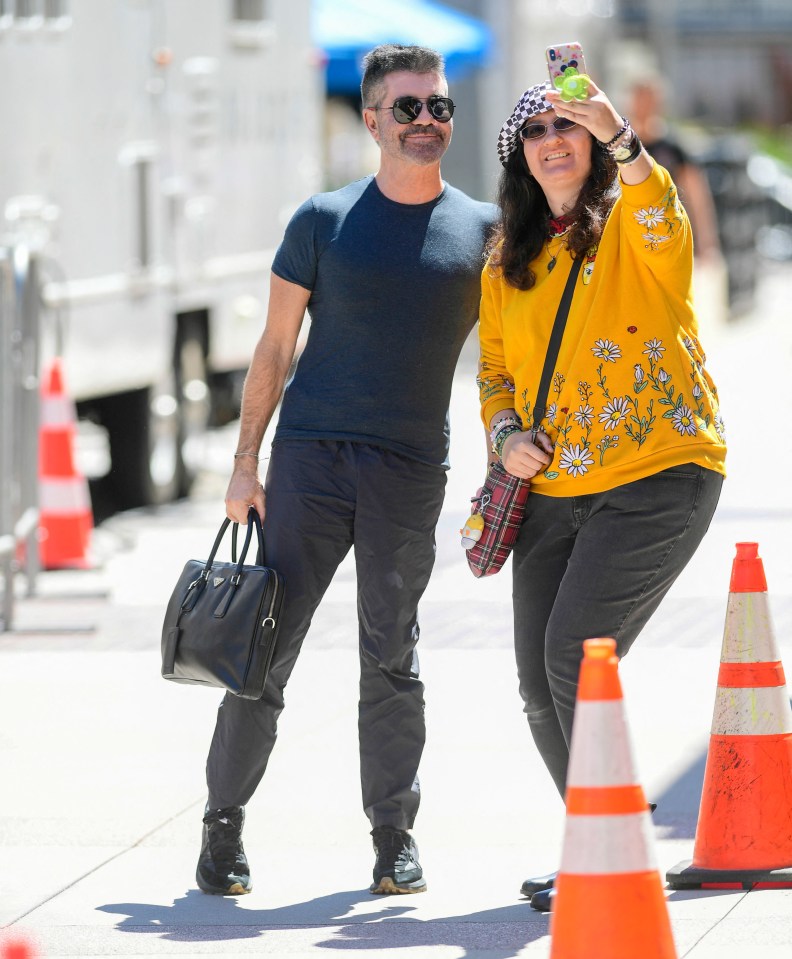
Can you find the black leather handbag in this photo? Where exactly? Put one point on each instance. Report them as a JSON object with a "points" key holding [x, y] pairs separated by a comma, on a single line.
{"points": [[221, 624]]}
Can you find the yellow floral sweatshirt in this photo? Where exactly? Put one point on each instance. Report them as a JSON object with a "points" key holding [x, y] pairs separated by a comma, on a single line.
{"points": [[629, 395]]}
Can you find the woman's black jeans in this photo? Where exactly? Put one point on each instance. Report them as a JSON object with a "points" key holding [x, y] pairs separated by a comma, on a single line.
{"points": [[596, 565]]}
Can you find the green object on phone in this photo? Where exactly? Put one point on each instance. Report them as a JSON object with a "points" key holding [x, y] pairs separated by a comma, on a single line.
{"points": [[572, 85]]}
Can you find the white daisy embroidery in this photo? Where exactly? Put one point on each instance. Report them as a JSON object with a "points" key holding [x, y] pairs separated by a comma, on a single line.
{"points": [[654, 349], [606, 350], [575, 459], [615, 412], [683, 421], [584, 415], [655, 238], [651, 216]]}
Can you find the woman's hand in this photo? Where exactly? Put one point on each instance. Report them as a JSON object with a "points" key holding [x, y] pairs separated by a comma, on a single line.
{"points": [[525, 459], [596, 113]]}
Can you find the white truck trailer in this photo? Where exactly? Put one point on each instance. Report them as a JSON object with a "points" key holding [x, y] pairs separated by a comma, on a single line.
{"points": [[152, 153]]}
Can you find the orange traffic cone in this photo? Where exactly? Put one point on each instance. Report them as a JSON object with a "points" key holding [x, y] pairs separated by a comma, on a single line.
{"points": [[65, 517], [744, 831], [609, 901], [16, 949]]}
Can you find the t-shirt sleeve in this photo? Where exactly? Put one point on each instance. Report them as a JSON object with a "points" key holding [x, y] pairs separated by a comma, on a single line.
{"points": [[296, 257]]}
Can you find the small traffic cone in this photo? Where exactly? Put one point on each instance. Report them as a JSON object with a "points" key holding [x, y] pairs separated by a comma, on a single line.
{"points": [[65, 517], [609, 901], [744, 830], [17, 949]]}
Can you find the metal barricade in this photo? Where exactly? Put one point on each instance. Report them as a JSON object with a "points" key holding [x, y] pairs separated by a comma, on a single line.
{"points": [[19, 418]]}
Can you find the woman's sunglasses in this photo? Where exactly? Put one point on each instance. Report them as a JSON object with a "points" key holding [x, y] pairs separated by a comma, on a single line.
{"points": [[406, 109], [533, 131]]}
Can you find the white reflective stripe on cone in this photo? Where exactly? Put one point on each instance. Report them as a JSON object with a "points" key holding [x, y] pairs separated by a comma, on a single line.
{"points": [[68, 495], [748, 635], [57, 411], [601, 754], [597, 845], [751, 711]]}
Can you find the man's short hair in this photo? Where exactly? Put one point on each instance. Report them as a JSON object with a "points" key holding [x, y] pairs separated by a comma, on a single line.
{"points": [[392, 57]]}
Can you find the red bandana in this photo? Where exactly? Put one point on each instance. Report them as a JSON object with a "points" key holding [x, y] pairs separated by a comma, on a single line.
{"points": [[555, 227]]}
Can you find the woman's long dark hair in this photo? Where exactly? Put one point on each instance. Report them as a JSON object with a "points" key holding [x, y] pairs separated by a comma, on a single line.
{"points": [[522, 230]]}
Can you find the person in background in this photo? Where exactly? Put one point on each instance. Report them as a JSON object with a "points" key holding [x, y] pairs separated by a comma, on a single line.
{"points": [[645, 107], [388, 268], [627, 467]]}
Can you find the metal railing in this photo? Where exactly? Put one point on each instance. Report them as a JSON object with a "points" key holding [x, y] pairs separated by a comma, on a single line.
{"points": [[20, 316]]}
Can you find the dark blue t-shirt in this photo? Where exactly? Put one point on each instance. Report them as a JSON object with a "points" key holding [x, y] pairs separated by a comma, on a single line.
{"points": [[395, 291]]}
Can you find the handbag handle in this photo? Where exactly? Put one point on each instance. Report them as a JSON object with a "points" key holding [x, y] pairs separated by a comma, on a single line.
{"points": [[256, 520], [554, 346]]}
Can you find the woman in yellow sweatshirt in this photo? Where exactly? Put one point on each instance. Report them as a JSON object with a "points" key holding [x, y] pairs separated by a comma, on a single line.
{"points": [[627, 466]]}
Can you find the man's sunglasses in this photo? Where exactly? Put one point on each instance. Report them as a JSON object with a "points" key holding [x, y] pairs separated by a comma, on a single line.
{"points": [[533, 131], [406, 109]]}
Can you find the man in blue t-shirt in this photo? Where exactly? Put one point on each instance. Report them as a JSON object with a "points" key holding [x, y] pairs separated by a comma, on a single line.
{"points": [[388, 268]]}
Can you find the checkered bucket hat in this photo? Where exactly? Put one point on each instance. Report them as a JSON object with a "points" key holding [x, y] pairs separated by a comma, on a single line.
{"points": [[532, 102]]}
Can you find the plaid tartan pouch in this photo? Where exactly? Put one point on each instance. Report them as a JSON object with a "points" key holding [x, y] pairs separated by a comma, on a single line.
{"points": [[501, 504]]}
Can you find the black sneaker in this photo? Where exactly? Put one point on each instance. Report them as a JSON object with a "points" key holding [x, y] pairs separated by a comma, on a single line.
{"points": [[542, 901], [397, 869], [222, 867], [538, 884]]}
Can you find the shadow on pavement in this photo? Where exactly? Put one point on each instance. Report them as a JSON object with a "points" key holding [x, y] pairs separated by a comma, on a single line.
{"points": [[502, 932], [196, 917], [678, 805]]}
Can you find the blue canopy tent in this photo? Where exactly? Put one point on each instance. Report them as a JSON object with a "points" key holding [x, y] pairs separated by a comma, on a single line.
{"points": [[347, 29]]}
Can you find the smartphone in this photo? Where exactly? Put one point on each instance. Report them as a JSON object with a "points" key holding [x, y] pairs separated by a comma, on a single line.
{"points": [[564, 55]]}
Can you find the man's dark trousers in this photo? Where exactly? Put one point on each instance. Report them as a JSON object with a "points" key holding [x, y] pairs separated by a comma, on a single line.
{"points": [[323, 496]]}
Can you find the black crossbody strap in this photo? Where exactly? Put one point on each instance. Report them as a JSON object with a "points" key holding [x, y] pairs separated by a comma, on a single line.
{"points": [[554, 346]]}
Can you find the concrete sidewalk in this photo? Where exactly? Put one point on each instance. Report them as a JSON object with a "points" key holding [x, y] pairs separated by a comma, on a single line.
{"points": [[102, 786]]}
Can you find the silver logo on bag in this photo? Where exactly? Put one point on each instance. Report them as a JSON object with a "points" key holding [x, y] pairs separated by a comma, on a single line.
{"points": [[217, 581]]}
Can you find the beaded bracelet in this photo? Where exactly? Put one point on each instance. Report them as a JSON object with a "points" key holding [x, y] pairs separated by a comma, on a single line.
{"points": [[507, 423], [502, 424], [622, 130], [503, 435]]}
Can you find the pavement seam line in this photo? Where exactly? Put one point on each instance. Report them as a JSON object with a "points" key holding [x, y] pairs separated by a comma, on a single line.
{"points": [[101, 865], [715, 925]]}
